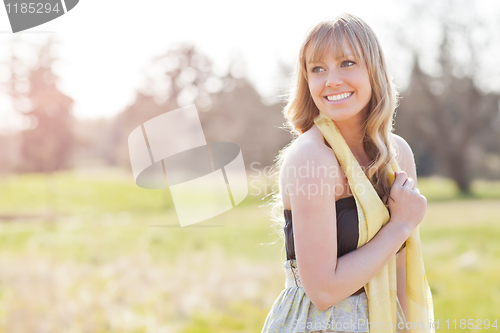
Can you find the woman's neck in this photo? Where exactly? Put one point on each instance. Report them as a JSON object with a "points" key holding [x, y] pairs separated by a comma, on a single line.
{"points": [[352, 132]]}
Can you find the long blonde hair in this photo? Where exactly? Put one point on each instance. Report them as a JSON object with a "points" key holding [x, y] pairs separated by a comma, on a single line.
{"points": [[301, 110]]}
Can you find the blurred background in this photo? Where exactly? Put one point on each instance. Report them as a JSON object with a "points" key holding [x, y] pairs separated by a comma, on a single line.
{"points": [[83, 249]]}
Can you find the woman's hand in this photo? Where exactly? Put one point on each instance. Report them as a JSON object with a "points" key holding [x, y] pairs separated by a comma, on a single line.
{"points": [[406, 205]]}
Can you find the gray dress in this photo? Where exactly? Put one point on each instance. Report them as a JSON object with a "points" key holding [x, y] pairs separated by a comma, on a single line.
{"points": [[293, 312]]}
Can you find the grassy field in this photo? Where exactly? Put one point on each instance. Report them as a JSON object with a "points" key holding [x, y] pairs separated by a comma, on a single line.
{"points": [[92, 252]]}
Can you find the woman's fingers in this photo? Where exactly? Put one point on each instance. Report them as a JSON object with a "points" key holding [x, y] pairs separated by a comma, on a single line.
{"points": [[404, 181], [400, 178], [409, 182]]}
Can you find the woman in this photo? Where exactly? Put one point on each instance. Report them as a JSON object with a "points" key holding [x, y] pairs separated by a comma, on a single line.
{"points": [[341, 109]]}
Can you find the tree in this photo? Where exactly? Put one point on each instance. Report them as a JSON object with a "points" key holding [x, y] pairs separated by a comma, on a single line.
{"points": [[47, 142], [445, 113], [448, 122], [238, 115], [230, 109], [179, 77]]}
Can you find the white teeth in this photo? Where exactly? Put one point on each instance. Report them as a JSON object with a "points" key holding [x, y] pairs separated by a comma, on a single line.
{"points": [[338, 97]]}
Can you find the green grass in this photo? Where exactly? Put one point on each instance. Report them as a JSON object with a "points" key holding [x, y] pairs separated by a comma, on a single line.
{"points": [[84, 193], [462, 258], [110, 259], [437, 189]]}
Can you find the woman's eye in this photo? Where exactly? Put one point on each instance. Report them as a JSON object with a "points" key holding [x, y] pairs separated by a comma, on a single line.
{"points": [[317, 69], [348, 63]]}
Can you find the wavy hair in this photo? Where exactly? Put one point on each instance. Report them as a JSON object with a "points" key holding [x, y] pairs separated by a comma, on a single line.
{"points": [[301, 110]]}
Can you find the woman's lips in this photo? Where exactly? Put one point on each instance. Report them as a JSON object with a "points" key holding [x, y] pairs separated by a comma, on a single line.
{"points": [[337, 102]]}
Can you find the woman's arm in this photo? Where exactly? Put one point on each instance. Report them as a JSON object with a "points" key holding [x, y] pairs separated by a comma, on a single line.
{"points": [[326, 279]]}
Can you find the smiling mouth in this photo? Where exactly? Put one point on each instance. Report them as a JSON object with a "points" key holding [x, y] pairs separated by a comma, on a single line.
{"points": [[339, 97]]}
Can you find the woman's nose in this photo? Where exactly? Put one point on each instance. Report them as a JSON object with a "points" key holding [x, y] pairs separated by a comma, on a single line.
{"points": [[334, 78]]}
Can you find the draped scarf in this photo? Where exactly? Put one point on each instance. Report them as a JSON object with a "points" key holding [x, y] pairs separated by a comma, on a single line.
{"points": [[381, 290]]}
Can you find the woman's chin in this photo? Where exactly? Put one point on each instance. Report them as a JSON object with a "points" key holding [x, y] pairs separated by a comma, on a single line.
{"points": [[339, 115]]}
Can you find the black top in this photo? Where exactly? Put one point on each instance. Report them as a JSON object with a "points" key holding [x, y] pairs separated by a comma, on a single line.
{"points": [[347, 228]]}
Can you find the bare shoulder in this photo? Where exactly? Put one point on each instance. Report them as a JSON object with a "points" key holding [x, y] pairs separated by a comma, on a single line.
{"points": [[308, 160], [401, 144], [310, 147], [404, 157]]}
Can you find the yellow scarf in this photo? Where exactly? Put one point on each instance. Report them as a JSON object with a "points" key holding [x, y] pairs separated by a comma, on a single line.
{"points": [[372, 215]]}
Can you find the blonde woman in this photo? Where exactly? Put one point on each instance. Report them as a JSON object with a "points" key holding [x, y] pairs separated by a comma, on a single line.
{"points": [[341, 75]]}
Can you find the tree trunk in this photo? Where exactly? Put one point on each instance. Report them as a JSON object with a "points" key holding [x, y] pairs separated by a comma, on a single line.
{"points": [[457, 163]]}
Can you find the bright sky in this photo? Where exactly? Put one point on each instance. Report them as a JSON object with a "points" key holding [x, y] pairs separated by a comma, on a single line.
{"points": [[106, 45]]}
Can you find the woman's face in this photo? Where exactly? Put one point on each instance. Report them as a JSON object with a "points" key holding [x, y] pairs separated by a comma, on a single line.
{"points": [[340, 88]]}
